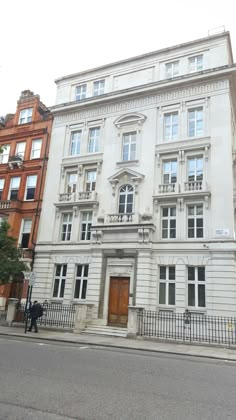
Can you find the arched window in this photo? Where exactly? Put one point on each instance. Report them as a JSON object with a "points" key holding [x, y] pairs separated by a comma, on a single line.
{"points": [[126, 199]]}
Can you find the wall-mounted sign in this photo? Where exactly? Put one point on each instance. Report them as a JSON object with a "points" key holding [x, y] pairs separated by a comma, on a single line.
{"points": [[223, 233]]}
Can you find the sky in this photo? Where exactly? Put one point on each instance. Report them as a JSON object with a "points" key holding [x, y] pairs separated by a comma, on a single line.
{"points": [[41, 41]]}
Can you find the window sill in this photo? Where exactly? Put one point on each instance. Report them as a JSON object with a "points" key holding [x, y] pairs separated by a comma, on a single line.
{"points": [[127, 162]]}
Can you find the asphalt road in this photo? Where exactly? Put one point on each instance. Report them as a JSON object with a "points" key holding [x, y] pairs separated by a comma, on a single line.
{"points": [[46, 381]]}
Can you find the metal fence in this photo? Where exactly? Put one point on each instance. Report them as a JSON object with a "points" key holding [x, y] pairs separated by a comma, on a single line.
{"points": [[188, 327], [54, 315]]}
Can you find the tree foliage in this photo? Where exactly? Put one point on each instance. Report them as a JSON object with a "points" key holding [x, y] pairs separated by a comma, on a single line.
{"points": [[10, 264]]}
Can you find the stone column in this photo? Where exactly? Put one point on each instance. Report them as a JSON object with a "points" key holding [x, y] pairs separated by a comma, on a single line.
{"points": [[83, 315], [133, 321], [11, 311]]}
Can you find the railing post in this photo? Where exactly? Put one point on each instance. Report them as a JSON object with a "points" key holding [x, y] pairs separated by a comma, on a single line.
{"points": [[11, 311], [133, 321]]}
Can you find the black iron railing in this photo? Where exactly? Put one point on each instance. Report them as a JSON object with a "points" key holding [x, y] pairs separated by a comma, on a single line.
{"points": [[191, 327], [54, 315]]}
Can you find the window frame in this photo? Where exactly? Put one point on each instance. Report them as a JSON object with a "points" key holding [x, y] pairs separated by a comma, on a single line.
{"points": [[130, 143], [4, 156], [196, 170], [2, 181], [71, 187], [195, 67], [97, 88], [196, 282], [172, 72], [79, 96], [23, 232], [170, 173], [14, 189], [77, 140], [172, 136], [195, 121], [28, 116], [90, 185], [27, 187], [85, 225], [167, 281], [168, 218], [82, 279], [19, 153], [129, 191], [94, 141], [34, 150], [195, 217], [66, 222], [62, 279]]}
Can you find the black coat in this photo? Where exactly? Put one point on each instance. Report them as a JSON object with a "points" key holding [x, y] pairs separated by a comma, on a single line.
{"points": [[35, 310]]}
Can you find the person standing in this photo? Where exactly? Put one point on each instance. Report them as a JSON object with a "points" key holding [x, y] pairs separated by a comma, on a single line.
{"points": [[35, 313]]}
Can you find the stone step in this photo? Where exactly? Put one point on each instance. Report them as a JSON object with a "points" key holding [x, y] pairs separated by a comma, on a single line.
{"points": [[105, 330]]}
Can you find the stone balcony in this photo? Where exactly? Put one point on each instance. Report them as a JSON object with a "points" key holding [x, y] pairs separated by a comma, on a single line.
{"points": [[5, 204], [77, 199], [183, 189], [15, 161]]}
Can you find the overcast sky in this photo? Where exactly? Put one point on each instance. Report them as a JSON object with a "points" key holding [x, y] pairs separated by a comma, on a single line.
{"points": [[41, 41]]}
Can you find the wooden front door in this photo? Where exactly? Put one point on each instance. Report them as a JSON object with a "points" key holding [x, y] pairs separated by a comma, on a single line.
{"points": [[118, 301]]}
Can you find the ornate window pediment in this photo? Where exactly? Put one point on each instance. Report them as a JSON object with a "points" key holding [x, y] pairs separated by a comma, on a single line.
{"points": [[134, 118], [124, 176]]}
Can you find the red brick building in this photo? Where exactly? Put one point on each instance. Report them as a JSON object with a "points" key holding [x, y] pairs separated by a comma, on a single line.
{"points": [[25, 138]]}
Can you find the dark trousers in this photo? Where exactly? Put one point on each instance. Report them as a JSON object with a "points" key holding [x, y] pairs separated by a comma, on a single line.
{"points": [[33, 324]]}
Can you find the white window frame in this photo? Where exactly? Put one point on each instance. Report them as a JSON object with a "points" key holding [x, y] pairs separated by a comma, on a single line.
{"points": [[94, 139], [25, 116], [4, 156], [195, 63], [98, 87], [197, 173], [90, 180], [196, 282], [126, 191], [2, 183], [31, 183], [71, 186], [172, 69], [195, 217], [129, 140], [169, 218], [14, 189], [66, 226], [85, 226], [61, 281], [80, 92], [167, 281], [194, 120], [82, 279], [25, 230], [19, 146], [36, 151], [75, 142], [171, 127], [172, 173]]}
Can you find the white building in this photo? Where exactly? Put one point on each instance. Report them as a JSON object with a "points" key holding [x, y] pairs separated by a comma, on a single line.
{"points": [[139, 197]]}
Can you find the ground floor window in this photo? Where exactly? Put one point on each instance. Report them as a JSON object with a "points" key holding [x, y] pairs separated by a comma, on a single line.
{"points": [[81, 281], [59, 280], [196, 287], [167, 285]]}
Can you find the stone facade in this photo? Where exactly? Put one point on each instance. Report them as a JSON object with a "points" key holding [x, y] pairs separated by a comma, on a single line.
{"points": [[140, 186]]}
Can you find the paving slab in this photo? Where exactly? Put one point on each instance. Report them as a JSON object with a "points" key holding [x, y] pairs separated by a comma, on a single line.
{"points": [[140, 343]]}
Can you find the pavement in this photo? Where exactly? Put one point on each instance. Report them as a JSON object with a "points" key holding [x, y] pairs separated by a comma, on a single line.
{"points": [[140, 343]]}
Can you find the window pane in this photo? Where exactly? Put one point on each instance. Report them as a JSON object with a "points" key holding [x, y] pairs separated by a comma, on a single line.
{"points": [[201, 273], [165, 212], [79, 270], [64, 270], [171, 297], [162, 293], [84, 290], [199, 233], [171, 273], [191, 273], [58, 270], [162, 272], [25, 240], [199, 210], [173, 211], [56, 287], [86, 270], [191, 295], [201, 295], [77, 289], [62, 288]]}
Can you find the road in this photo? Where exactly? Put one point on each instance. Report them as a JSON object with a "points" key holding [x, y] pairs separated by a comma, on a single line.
{"points": [[52, 381]]}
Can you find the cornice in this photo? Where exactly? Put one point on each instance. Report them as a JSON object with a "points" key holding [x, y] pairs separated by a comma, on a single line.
{"points": [[118, 105]]}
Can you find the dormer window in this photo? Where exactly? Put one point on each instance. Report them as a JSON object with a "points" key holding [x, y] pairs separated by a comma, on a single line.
{"points": [[172, 69], [98, 87], [26, 116], [80, 92]]}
